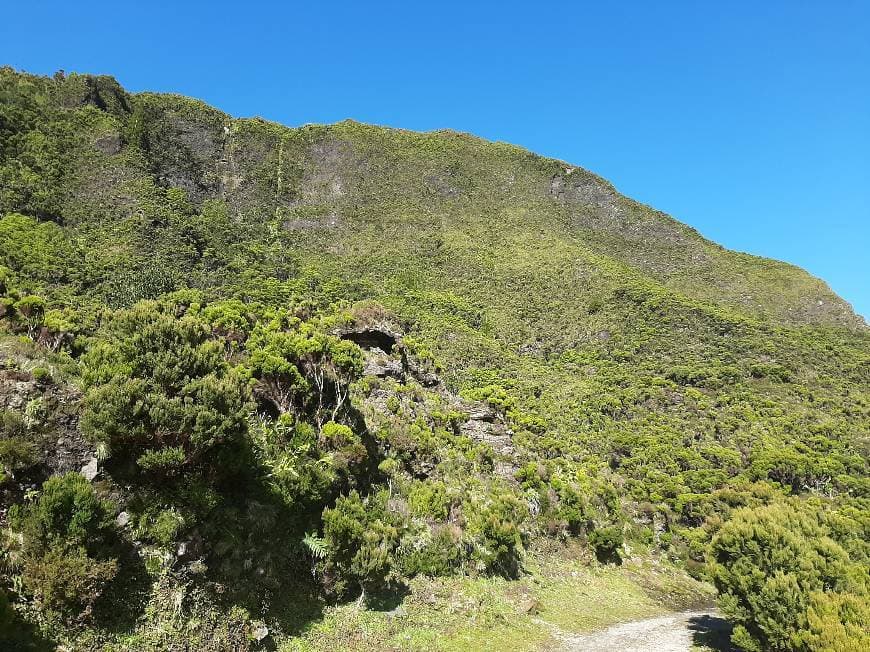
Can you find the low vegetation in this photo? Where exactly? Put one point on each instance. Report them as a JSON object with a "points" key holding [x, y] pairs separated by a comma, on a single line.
{"points": [[257, 384]]}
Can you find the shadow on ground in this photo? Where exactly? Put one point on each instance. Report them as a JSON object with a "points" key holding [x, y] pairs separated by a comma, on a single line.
{"points": [[388, 600], [712, 632]]}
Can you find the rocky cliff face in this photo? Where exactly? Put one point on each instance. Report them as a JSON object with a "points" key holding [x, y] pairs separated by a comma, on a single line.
{"points": [[389, 361]]}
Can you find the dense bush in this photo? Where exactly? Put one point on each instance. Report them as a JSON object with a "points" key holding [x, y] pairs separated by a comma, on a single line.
{"points": [[302, 369], [37, 251], [607, 542], [498, 538], [786, 577], [360, 543], [440, 551], [67, 551], [160, 391], [299, 471], [17, 451]]}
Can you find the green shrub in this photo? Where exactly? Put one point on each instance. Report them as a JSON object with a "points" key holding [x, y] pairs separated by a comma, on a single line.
{"points": [[301, 369], [160, 391], [164, 527], [41, 374], [777, 566], [164, 461], [343, 442], [495, 528], [360, 543], [442, 554], [429, 500], [300, 472], [36, 250], [67, 579], [17, 451], [837, 622], [607, 542], [67, 544]]}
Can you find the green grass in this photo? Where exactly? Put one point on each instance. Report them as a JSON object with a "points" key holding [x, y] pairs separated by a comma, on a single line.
{"points": [[559, 594]]}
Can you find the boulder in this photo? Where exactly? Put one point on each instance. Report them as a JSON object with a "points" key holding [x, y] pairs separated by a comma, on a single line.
{"points": [[91, 470]]}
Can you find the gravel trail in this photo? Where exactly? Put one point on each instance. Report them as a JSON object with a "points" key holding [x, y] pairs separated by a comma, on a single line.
{"points": [[676, 632]]}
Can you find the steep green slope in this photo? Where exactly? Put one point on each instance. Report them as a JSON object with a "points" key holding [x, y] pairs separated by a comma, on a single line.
{"points": [[644, 380]]}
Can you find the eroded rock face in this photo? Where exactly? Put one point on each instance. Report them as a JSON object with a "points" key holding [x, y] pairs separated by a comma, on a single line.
{"points": [[381, 346], [52, 414], [386, 358], [325, 184], [493, 433], [596, 205], [108, 144], [585, 190], [382, 365]]}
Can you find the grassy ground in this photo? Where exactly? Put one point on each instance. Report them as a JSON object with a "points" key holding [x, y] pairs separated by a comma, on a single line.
{"points": [[561, 594]]}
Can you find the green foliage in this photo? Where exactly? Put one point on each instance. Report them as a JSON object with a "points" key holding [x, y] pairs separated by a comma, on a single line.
{"points": [[345, 445], [41, 374], [442, 553], [17, 451], [162, 526], [37, 251], [607, 542], [316, 545], [149, 280], [67, 511], [780, 566], [160, 391], [429, 500], [66, 554], [66, 578], [360, 543], [164, 460], [299, 471], [498, 538], [646, 380], [837, 622], [300, 368]]}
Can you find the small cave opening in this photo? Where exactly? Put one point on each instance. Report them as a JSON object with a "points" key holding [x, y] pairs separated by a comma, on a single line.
{"points": [[372, 339]]}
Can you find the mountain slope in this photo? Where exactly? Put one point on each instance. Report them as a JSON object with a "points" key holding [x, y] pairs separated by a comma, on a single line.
{"points": [[576, 362]]}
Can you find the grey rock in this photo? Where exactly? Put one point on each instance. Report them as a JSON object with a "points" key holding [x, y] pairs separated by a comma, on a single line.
{"points": [[260, 632], [383, 367], [481, 412], [122, 519], [398, 612], [428, 379], [190, 549], [91, 470]]}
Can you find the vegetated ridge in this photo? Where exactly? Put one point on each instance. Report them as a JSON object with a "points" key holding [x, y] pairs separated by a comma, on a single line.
{"points": [[257, 367]]}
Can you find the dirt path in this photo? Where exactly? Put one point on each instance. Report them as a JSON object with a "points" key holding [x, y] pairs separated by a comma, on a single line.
{"points": [[672, 633]]}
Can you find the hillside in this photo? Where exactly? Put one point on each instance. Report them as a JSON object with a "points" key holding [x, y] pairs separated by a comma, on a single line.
{"points": [[361, 355]]}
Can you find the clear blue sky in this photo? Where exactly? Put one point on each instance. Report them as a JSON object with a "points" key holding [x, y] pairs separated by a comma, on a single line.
{"points": [[748, 120]]}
